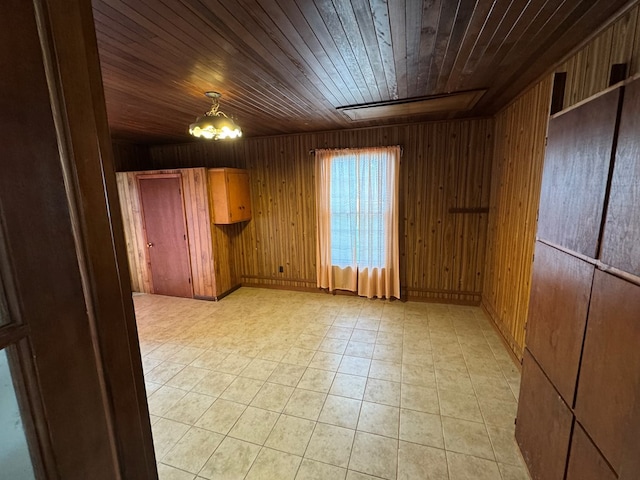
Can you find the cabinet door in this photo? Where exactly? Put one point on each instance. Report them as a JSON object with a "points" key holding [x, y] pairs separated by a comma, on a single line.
{"points": [[621, 239], [576, 169], [560, 291], [543, 425], [609, 384], [239, 198], [585, 461]]}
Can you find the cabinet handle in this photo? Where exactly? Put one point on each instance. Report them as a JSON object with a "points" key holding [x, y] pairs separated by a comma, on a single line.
{"points": [[149, 245]]}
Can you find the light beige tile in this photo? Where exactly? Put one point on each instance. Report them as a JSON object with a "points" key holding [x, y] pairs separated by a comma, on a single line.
{"points": [[221, 416], [497, 412], [339, 332], [233, 364], [389, 353], [214, 383], [364, 335], [189, 408], [418, 375], [351, 386], [355, 366], [298, 356], [368, 324], [333, 345], [166, 434], [193, 450], [330, 444], [389, 337], [459, 405], [163, 372], [316, 380], [305, 404], [307, 341], [151, 387], [272, 397], [512, 472], [271, 464], [242, 390], [340, 411], [491, 388], [455, 381], [421, 462], [186, 355], [466, 437], [422, 428], [379, 419], [504, 445], [382, 391], [415, 397], [285, 374], [420, 359], [165, 472], [254, 425], [149, 364], [384, 370], [312, 470], [275, 354], [210, 359], [290, 434], [187, 378], [359, 349], [353, 475], [326, 361], [374, 455], [163, 399], [165, 351], [259, 369], [466, 467], [231, 460]]}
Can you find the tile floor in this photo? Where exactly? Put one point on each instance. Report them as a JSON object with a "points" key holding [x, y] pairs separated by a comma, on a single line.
{"points": [[272, 384]]}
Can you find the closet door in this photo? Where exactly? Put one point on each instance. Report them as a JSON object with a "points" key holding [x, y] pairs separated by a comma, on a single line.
{"points": [[166, 234]]}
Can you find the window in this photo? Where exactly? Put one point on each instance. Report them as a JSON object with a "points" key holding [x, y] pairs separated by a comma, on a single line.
{"points": [[358, 220]]}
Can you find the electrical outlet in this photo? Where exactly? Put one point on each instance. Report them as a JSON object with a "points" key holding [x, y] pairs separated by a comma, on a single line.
{"points": [[281, 269]]}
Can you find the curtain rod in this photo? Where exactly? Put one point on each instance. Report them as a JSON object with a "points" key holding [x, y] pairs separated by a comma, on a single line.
{"points": [[313, 150]]}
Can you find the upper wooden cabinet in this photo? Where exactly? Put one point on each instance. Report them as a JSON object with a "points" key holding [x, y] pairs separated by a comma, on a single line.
{"points": [[229, 195]]}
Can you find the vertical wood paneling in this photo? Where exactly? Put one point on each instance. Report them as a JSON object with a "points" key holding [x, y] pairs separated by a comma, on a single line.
{"points": [[515, 193], [444, 165], [588, 69], [517, 168], [194, 184]]}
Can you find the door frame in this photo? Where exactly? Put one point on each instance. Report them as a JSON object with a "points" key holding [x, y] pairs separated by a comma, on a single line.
{"points": [[147, 257]]}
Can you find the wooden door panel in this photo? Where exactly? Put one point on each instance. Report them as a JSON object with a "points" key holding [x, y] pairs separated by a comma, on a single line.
{"points": [[543, 425], [239, 203], [560, 291], [621, 239], [166, 235], [585, 461], [576, 168], [609, 384]]}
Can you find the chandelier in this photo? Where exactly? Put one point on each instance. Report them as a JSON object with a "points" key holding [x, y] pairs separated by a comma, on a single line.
{"points": [[214, 124]]}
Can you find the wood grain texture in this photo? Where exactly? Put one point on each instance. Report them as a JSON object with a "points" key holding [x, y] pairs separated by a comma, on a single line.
{"points": [[560, 293], [588, 69], [576, 170], [444, 165], [195, 193], [585, 461], [621, 237], [543, 424], [284, 66], [515, 192], [608, 390]]}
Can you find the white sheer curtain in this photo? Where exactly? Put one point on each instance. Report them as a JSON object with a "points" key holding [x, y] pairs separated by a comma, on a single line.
{"points": [[357, 220]]}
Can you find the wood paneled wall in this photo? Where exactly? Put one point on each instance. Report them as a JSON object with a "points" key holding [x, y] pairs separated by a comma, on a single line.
{"points": [[129, 156], [445, 165], [517, 170], [589, 68], [194, 184], [515, 193]]}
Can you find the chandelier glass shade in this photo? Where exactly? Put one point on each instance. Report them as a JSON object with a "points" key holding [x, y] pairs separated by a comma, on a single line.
{"points": [[214, 124]]}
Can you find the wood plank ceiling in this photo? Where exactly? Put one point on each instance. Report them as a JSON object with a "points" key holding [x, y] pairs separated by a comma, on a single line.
{"points": [[285, 66]]}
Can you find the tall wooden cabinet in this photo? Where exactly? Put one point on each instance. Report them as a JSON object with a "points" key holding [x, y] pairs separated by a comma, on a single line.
{"points": [[579, 415], [210, 260]]}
